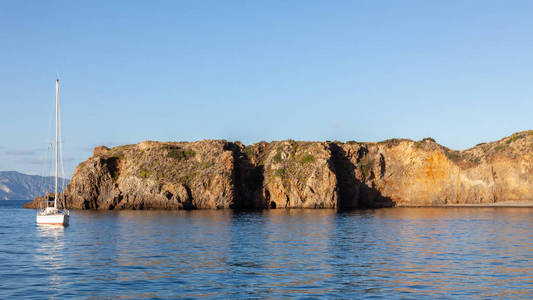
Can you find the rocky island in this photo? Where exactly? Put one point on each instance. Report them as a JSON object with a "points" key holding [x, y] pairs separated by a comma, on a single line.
{"points": [[213, 174]]}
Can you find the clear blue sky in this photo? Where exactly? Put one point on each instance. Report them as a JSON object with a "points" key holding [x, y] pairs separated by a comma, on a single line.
{"points": [[458, 71]]}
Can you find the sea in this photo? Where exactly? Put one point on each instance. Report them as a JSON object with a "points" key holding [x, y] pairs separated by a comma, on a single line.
{"points": [[408, 253]]}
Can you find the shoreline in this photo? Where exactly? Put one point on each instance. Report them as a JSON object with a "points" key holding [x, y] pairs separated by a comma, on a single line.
{"points": [[480, 205], [497, 204]]}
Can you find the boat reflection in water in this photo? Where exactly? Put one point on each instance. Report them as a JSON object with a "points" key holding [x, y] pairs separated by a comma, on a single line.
{"points": [[49, 255]]}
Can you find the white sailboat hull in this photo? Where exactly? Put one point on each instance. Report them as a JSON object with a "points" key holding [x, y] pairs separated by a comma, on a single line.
{"points": [[54, 219]]}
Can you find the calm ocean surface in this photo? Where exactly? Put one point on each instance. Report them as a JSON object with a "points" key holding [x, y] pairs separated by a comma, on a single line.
{"points": [[399, 252]]}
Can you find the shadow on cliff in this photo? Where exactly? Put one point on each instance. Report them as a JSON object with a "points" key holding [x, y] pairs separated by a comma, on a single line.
{"points": [[248, 181], [354, 193]]}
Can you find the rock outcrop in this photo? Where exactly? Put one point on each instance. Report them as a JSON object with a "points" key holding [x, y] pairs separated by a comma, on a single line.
{"points": [[423, 173], [292, 175], [289, 174], [154, 175]]}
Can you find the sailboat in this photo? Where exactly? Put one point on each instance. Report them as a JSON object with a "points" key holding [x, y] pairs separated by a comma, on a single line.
{"points": [[51, 215]]}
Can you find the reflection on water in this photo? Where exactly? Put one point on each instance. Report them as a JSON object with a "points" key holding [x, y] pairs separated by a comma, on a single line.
{"points": [[49, 253], [401, 252]]}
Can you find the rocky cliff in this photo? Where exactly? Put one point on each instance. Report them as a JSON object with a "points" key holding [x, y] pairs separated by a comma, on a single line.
{"points": [[290, 174]]}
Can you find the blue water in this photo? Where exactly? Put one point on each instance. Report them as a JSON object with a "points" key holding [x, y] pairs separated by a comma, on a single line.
{"points": [[400, 252]]}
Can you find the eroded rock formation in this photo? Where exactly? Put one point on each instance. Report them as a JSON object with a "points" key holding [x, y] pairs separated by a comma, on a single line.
{"points": [[290, 174]]}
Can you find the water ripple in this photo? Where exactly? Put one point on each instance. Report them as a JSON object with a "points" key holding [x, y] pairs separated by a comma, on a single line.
{"points": [[401, 253]]}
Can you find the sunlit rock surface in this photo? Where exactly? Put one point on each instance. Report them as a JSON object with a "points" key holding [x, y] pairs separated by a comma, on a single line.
{"points": [[213, 174]]}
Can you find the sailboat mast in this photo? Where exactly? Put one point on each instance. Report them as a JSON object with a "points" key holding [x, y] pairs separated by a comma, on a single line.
{"points": [[57, 135]]}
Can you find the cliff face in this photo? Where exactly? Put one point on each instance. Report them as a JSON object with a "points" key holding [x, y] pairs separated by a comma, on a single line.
{"points": [[294, 175], [406, 173], [154, 175], [289, 174]]}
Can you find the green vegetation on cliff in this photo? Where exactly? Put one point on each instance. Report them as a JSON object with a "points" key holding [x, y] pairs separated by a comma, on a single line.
{"points": [[296, 174]]}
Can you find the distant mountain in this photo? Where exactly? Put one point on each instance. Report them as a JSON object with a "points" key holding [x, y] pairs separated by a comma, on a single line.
{"points": [[18, 186]]}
